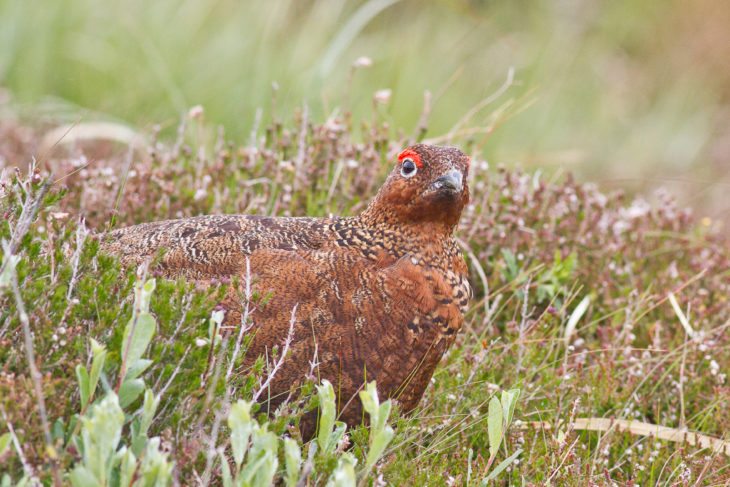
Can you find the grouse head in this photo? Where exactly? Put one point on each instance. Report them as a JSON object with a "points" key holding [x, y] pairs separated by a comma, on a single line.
{"points": [[428, 185]]}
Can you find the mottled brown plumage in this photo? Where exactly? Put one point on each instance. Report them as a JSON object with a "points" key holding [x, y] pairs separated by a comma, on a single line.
{"points": [[379, 296]]}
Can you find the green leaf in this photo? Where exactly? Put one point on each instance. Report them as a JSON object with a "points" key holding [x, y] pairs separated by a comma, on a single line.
{"points": [[97, 365], [82, 477], [226, 471], [266, 471], [151, 402], [101, 431], [58, 431], [4, 443], [262, 460], [137, 335], [469, 459], [214, 325], [239, 420], [130, 391], [370, 401], [383, 414], [509, 401], [494, 426], [83, 378], [139, 331], [327, 412], [10, 261], [139, 428], [499, 468], [380, 433], [575, 317], [293, 461], [561, 436], [135, 369], [344, 473], [142, 295], [509, 259], [378, 443], [127, 466], [156, 469], [337, 433]]}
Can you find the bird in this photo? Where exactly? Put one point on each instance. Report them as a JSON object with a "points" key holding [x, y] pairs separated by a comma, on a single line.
{"points": [[377, 296]]}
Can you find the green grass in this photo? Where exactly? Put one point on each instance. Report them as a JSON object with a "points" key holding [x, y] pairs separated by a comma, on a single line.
{"points": [[537, 248]]}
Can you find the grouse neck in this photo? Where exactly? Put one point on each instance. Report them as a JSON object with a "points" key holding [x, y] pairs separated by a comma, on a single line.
{"points": [[377, 219], [426, 231]]}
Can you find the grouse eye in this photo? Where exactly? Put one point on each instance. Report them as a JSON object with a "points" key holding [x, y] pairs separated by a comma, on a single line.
{"points": [[408, 168]]}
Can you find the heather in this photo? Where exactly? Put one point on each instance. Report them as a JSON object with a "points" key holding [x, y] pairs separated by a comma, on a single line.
{"points": [[590, 305]]}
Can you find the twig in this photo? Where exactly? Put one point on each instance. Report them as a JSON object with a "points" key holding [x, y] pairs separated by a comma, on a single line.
{"points": [[213, 440], [77, 170], [523, 325], [308, 465], [641, 429], [122, 186], [245, 325], [682, 317], [30, 208], [480, 272], [682, 379], [180, 138], [142, 275], [486, 101], [174, 372], [253, 136], [211, 361], [335, 179], [19, 449], [562, 461], [186, 303], [81, 233], [301, 147], [36, 376], [280, 361], [422, 126]]}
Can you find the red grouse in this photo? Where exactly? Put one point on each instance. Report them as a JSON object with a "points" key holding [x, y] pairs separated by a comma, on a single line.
{"points": [[379, 296]]}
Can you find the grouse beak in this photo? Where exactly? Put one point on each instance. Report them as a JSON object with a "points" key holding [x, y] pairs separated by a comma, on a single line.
{"points": [[451, 182]]}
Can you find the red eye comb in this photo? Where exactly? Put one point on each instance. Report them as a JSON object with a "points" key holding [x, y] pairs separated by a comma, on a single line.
{"points": [[410, 153]]}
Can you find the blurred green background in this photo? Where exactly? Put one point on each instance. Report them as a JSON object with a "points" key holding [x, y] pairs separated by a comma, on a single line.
{"points": [[631, 93]]}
